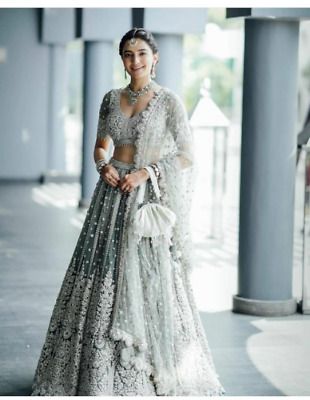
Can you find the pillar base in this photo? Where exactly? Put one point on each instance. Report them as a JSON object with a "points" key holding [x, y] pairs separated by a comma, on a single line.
{"points": [[84, 203], [58, 177], [267, 308]]}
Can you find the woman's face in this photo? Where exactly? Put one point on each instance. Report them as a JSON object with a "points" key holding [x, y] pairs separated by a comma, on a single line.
{"points": [[138, 58]]}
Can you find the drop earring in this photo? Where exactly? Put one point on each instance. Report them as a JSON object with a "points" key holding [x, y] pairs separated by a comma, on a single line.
{"points": [[125, 73], [153, 75]]}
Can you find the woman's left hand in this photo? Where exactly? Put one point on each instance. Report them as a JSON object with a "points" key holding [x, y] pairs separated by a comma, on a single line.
{"points": [[132, 180]]}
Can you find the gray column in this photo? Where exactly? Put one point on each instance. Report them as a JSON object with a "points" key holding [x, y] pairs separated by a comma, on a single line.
{"points": [[98, 79], [169, 68], [56, 149], [268, 158]]}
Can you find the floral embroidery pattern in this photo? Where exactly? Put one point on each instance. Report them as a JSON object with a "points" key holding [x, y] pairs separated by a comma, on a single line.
{"points": [[80, 355]]}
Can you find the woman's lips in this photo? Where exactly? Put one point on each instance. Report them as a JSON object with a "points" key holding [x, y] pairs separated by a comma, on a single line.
{"points": [[137, 69]]}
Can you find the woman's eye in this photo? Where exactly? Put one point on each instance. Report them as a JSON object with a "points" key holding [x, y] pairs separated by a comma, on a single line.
{"points": [[131, 55]]}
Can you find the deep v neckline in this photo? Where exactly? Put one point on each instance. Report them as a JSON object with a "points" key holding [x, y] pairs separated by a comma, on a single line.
{"points": [[118, 101]]}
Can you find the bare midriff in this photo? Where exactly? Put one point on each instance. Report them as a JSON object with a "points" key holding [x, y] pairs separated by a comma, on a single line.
{"points": [[125, 153]]}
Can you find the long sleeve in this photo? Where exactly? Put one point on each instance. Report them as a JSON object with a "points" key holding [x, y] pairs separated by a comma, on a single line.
{"points": [[102, 131]]}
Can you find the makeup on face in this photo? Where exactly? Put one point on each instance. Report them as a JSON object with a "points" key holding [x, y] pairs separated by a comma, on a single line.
{"points": [[137, 56]]}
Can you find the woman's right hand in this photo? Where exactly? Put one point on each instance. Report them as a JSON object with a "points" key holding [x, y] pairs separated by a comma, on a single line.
{"points": [[110, 175]]}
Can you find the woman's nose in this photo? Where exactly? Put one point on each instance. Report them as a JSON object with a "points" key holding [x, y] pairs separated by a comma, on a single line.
{"points": [[136, 59]]}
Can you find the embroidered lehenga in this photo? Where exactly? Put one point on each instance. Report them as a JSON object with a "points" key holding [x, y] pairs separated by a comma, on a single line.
{"points": [[125, 320]]}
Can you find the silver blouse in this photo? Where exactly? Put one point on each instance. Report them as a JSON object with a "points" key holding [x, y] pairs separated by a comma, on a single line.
{"points": [[113, 122]]}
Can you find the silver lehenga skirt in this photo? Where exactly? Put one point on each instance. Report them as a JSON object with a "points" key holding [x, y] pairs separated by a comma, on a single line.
{"points": [[78, 356]]}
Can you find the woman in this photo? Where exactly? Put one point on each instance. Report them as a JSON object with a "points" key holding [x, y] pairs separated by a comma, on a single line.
{"points": [[125, 321]]}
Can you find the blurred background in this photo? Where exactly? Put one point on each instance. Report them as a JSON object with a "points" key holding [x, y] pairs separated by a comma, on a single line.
{"points": [[244, 76]]}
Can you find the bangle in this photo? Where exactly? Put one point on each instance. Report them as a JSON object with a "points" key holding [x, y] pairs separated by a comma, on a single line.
{"points": [[156, 170], [147, 172], [100, 164]]}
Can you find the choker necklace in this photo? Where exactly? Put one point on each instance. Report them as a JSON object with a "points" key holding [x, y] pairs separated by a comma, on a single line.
{"points": [[133, 96]]}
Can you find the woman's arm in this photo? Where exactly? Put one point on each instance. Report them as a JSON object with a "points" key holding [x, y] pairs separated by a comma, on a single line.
{"points": [[103, 138], [101, 148]]}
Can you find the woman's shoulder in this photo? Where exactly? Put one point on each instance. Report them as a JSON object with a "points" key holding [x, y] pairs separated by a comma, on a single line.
{"points": [[158, 88], [108, 98], [107, 95], [172, 97], [173, 100], [169, 93]]}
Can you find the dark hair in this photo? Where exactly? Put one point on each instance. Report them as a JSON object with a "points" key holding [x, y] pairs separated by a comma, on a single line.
{"points": [[141, 34]]}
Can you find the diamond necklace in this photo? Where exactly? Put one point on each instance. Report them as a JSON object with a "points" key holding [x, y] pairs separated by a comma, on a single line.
{"points": [[133, 96]]}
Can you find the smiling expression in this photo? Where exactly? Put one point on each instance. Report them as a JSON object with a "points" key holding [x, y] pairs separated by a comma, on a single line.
{"points": [[138, 58]]}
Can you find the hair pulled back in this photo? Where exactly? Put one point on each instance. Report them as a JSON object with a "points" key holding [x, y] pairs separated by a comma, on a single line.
{"points": [[139, 33]]}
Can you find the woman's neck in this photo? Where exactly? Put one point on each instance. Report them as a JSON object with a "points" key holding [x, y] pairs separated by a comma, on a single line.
{"points": [[139, 84]]}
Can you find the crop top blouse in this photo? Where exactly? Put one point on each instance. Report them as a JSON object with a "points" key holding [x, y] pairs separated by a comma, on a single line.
{"points": [[113, 122], [164, 115]]}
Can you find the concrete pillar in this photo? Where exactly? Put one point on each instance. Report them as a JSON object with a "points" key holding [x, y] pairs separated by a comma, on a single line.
{"points": [[169, 68], [137, 17], [56, 149], [268, 158], [98, 79], [168, 26]]}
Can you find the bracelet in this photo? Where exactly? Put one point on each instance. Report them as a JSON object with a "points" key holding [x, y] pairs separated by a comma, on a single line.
{"points": [[100, 164], [156, 170]]}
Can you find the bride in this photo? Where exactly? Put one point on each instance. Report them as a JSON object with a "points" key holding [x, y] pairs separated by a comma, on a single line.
{"points": [[125, 320]]}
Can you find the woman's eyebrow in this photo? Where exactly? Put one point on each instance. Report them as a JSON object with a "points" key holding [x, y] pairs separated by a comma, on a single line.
{"points": [[130, 51]]}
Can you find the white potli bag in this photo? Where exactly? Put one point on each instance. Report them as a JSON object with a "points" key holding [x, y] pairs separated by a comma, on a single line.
{"points": [[152, 219]]}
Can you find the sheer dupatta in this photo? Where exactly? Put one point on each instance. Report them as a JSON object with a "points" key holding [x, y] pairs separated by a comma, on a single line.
{"points": [[144, 315]]}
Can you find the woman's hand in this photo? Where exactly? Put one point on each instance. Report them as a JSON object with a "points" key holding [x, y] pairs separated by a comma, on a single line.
{"points": [[110, 175], [134, 179]]}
